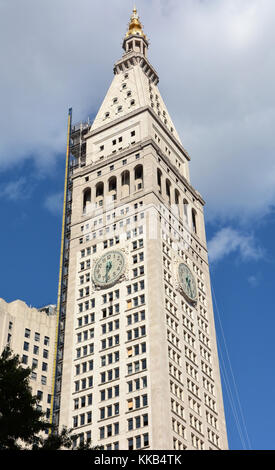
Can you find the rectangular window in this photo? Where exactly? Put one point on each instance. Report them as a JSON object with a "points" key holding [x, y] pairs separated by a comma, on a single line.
{"points": [[27, 333], [24, 359], [37, 336]]}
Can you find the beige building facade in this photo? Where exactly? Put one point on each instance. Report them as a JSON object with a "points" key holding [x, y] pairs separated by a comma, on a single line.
{"points": [[30, 333], [137, 364]]}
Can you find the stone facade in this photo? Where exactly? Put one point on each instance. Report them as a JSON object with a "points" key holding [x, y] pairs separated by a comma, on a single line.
{"points": [[30, 333], [139, 365]]}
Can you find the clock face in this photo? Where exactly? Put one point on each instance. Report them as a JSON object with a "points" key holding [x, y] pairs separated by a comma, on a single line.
{"points": [[187, 282], [108, 268]]}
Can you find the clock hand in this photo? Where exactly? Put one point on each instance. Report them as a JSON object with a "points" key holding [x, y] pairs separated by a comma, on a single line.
{"points": [[188, 281], [108, 267]]}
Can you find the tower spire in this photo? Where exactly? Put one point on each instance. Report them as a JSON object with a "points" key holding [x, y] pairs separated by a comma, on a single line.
{"points": [[135, 26], [135, 31]]}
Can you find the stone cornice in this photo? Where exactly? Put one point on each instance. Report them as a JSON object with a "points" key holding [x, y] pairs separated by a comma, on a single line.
{"points": [[134, 149], [133, 58], [136, 112]]}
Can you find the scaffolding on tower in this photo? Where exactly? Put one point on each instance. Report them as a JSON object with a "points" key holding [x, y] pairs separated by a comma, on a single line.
{"points": [[75, 158]]}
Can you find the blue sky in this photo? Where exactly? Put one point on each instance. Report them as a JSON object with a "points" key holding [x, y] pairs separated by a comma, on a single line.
{"points": [[220, 95]]}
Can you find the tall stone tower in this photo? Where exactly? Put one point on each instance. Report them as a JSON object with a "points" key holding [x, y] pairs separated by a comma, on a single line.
{"points": [[136, 357]]}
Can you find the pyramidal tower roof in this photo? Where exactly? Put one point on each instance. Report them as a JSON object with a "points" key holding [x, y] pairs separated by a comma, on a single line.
{"points": [[135, 82]]}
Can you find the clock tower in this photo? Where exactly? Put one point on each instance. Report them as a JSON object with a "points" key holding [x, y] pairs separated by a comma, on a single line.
{"points": [[136, 356]]}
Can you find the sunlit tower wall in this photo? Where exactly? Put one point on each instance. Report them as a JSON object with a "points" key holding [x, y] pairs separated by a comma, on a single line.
{"points": [[136, 357]]}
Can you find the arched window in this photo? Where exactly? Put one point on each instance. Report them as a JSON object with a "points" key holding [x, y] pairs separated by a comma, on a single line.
{"points": [[125, 183], [194, 221], [112, 187], [168, 190], [185, 211], [177, 197], [99, 193], [87, 197], [177, 202], [138, 177], [159, 177]]}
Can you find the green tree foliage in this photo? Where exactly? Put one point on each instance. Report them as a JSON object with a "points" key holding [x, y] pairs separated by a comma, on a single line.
{"points": [[20, 417], [21, 420]]}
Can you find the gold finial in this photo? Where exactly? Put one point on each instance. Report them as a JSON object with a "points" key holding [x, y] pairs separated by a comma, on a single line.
{"points": [[135, 26]]}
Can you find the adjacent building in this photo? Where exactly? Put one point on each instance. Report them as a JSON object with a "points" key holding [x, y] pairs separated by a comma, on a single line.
{"points": [[30, 333]]}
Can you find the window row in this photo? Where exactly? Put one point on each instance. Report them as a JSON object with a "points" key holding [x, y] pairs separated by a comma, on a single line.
{"points": [[108, 431], [85, 350], [109, 311], [83, 384], [115, 186], [34, 364], [177, 408], [109, 358], [135, 301], [178, 428], [181, 206], [82, 419], [110, 296], [136, 366], [123, 211], [84, 400], [137, 384], [172, 354], [195, 423], [177, 390], [26, 347], [138, 271], [138, 442], [108, 393], [137, 402], [37, 336], [137, 422], [119, 139], [88, 251], [135, 287], [136, 349], [109, 411], [120, 232], [43, 378], [84, 367], [136, 333], [85, 320], [85, 335], [107, 376], [110, 326], [109, 342], [88, 304], [135, 317]]}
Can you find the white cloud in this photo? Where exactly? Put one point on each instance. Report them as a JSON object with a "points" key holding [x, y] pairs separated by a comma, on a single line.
{"points": [[15, 190], [53, 203], [217, 74], [253, 280], [228, 240]]}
